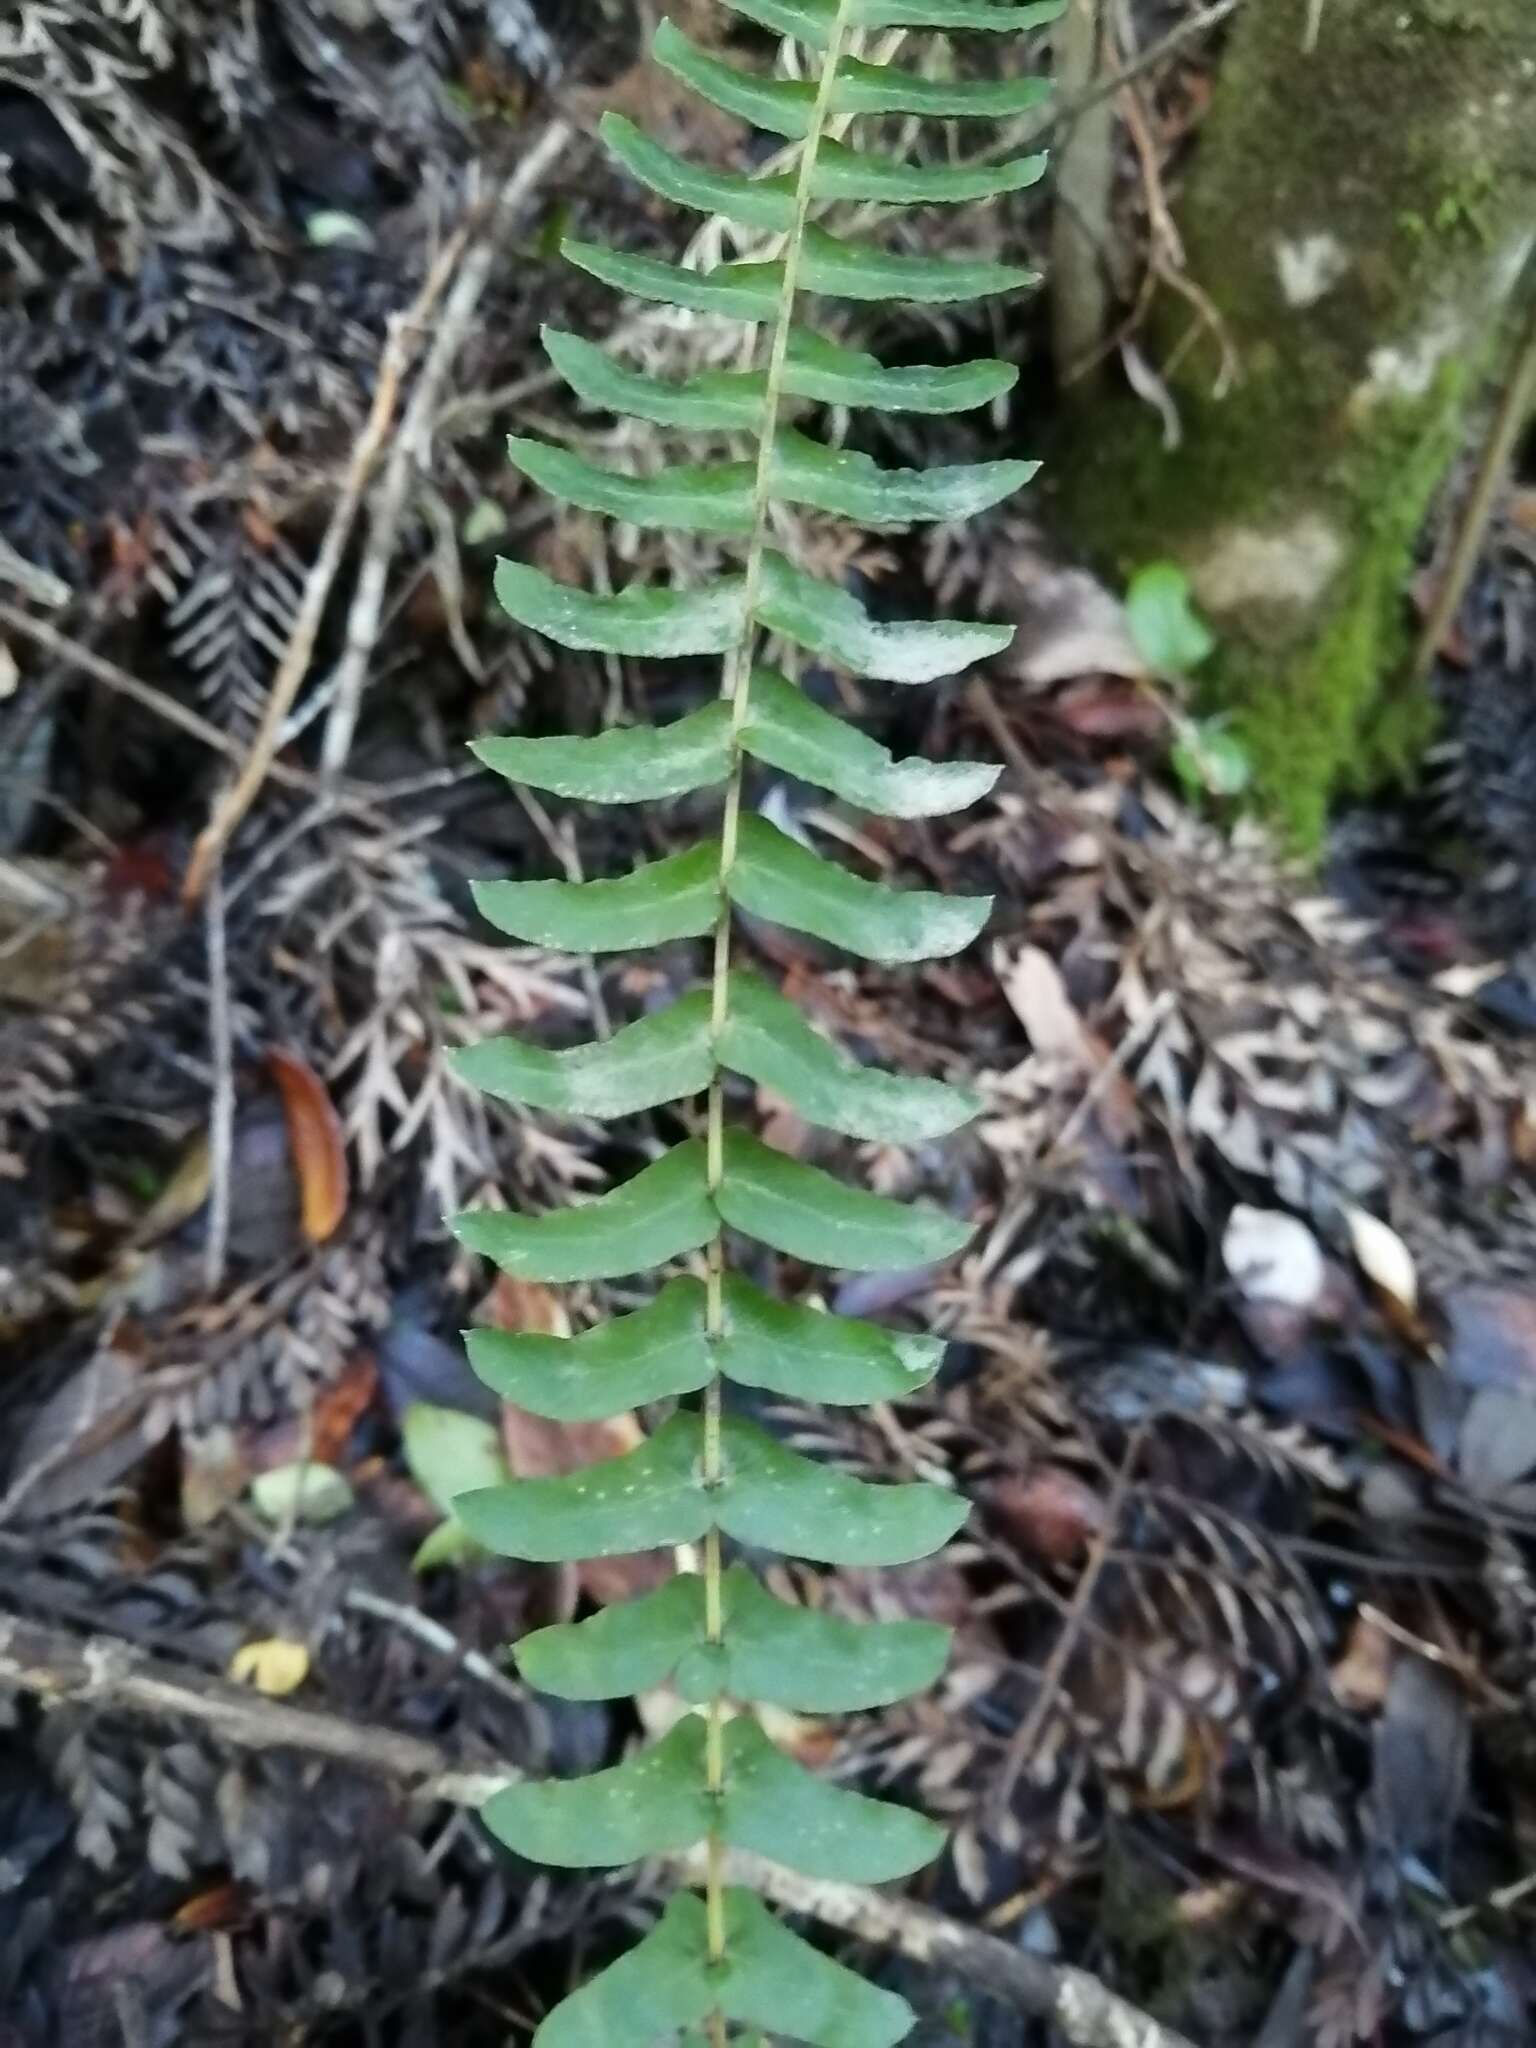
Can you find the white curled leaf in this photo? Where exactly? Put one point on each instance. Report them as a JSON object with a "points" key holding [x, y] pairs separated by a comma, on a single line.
{"points": [[1383, 1258], [1273, 1256]]}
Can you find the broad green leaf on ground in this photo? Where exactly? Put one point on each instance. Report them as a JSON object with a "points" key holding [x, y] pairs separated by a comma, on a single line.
{"points": [[655, 1353], [657, 623], [674, 898], [776, 1808], [692, 498], [1209, 758], [718, 401], [813, 1356], [833, 623], [793, 1657], [654, 1496], [767, 1039], [1170, 636], [805, 472], [637, 764], [652, 1804], [656, 1059], [800, 1210], [447, 1452], [785, 729], [660, 1214], [776, 1980], [661, 1985], [785, 106], [775, 877], [657, 1803], [733, 291], [811, 21], [770, 1978]]}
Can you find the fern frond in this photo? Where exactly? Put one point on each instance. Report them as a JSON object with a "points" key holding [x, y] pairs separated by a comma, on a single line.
{"points": [[707, 1476]]}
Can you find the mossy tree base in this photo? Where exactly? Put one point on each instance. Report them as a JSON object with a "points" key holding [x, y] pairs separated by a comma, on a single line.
{"points": [[1360, 216]]}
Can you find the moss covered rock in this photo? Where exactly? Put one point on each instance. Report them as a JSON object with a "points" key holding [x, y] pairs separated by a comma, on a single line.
{"points": [[1359, 216]]}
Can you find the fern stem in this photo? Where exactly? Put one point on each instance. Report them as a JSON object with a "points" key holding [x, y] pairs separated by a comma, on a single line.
{"points": [[736, 687]]}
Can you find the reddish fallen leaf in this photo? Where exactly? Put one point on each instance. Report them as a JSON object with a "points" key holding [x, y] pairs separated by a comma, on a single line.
{"points": [[340, 1407], [220, 1906], [1105, 708], [317, 1142], [782, 1129], [539, 1449], [524, 1305], [142, 869], [1052, 1513]]}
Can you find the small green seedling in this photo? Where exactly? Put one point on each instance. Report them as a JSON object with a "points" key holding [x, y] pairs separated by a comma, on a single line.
{"points": [[1173, 640]]}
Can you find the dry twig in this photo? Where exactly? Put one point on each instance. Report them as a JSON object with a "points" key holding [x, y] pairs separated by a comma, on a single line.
{"points": [[221, 1108], [108, 1674], [404, 332], [1514, 409], [1023, 1741], [412, 448]]}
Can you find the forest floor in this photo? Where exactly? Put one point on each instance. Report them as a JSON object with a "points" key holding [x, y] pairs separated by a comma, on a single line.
{"points": [[1242, 1370]]}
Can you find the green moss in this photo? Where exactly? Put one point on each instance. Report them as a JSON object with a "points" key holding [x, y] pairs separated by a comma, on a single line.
{"points": [[1317, 706], [1308, 443]]}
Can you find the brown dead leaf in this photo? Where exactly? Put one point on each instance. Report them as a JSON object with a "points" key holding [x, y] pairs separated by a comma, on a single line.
{"points": [[525, 1305], [1360, 1679], [1109, 708], [1038, 997], [539, 1449], [317, 1142], [220, 1905], [781, 1128], [1052, 1513], [339, 1407], [215, 1471]]}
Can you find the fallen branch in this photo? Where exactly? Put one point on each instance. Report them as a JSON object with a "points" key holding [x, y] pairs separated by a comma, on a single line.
{"points": [[413, 444], [1087, 2012], [111, 1676]]}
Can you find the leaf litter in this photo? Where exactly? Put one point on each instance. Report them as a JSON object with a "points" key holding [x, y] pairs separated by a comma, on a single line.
{"points": [[1242, 1369]]}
